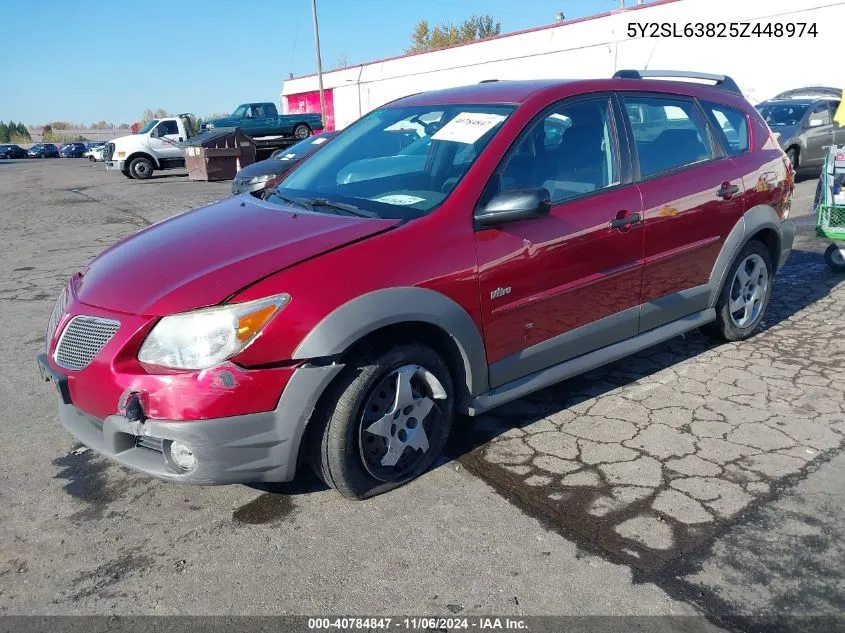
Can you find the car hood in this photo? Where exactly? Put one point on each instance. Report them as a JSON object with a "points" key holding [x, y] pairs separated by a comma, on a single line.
{"points": [[264, 167], [203, 256]]}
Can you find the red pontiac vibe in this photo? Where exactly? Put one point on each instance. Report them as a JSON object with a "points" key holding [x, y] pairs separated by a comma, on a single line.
{"points": [[448, 252]]}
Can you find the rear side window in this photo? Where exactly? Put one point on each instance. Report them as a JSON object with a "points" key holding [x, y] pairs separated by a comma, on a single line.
{"points": [[668, 133], [734, 126], [258, 111]]}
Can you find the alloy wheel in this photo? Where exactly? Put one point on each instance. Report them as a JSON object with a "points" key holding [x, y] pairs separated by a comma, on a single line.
{"points": [[748, 291], [400, 420]]}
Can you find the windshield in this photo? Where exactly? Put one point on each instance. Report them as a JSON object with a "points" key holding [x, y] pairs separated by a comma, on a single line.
{"points": [[781, 114], [149, 126], [397, 162], [240, 110]]}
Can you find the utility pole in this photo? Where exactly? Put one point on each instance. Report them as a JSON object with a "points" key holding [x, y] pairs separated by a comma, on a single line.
{"points": [[319, 63]]}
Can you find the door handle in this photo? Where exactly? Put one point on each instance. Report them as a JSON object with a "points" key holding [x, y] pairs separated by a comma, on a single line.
{"points": [[618, 223], [727, 191]]}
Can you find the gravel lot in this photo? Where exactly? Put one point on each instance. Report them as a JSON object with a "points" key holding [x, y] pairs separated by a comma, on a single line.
{"points": [[654, 486]]}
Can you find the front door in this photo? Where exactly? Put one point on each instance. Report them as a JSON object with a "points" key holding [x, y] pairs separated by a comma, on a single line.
{"points": [[692, 198], [561, 286], [164, 138], [819, 133]]}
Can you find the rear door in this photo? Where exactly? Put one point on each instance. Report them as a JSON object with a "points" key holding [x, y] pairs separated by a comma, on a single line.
{"points": [[561, 286], [692, 197]]}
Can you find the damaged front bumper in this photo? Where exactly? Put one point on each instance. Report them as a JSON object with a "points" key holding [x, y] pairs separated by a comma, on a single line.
{"points": [[255, 447]]}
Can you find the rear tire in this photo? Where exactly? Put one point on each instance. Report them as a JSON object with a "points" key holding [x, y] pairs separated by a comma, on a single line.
{"points": [[834, 257], [745, 295], [301, 131], [365, 439], [141, 168]]}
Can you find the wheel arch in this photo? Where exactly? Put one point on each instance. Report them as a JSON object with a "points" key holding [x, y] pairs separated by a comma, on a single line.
{"points": [[142, 154], [406, 313], [760, 222]]}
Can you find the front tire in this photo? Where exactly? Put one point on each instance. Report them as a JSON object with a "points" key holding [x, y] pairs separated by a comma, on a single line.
{"points": [[141, 168], [384, 421], [301, 131], [794, 156], [745, 295], [834, 257]]}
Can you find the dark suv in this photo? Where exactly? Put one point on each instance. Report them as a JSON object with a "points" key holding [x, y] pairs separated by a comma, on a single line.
{"points": [[552, 227], [73, 150], [804, 125]]}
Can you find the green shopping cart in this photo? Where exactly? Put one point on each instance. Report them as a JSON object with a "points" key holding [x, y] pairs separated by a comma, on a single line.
{"points": [[830, 207]]}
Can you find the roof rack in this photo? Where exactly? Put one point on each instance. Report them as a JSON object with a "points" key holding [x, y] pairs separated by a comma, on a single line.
{"points": [[722, 82]]}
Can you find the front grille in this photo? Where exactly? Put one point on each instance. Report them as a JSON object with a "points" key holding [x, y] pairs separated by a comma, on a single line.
{"points": [[82, 340], [55, 315], [150, 443], [108, 151]]}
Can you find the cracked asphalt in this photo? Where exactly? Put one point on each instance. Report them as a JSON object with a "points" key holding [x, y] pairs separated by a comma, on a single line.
{"points": [[690, 479]]}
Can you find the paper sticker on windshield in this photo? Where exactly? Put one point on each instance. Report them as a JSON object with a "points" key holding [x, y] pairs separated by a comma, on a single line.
{"points": [[468, 127], [399, 199], [317, 141]]}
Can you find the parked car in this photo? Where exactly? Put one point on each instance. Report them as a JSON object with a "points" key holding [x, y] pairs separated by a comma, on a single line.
{"points": [[802, 120], [262, 119], [73, 150], [346, 324], [264, 173], [154, 147], [43, 150], [9, 150], [95, 152]]}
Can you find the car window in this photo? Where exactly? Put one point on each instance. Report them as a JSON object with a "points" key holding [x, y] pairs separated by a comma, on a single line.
{"points": [[398, 162], [571, 152], [734, 126], [168, 127], [670, 135], [820, 112], [258, 111], [782, 114]]}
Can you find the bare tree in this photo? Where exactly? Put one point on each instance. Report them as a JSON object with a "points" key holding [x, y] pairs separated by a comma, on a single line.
{"points": [[341, 61]]}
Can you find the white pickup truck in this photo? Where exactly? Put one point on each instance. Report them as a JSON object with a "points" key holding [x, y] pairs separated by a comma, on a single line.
{"points": [[154, 147]]}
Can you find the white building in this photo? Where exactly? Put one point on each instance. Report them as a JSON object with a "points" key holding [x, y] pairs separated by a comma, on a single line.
{"points": [[598, 46]]}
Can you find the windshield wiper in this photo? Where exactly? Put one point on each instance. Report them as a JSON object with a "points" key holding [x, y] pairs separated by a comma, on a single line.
{"points": [[342, 206], [274, 191]]}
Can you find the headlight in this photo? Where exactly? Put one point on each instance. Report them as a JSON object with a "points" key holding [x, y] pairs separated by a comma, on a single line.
{"points": [[255, 180], [204, 338], [209, 126]]}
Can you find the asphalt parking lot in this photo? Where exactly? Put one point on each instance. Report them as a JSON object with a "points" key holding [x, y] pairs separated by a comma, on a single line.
{"points": [[693, 478]]}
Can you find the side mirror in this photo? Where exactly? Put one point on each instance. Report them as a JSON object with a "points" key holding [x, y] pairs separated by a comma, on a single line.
{"points": [[816, 123], [514, 205]]}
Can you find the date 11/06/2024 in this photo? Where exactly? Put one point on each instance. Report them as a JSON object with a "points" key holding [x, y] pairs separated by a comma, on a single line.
{"points": [[723, 29]]}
